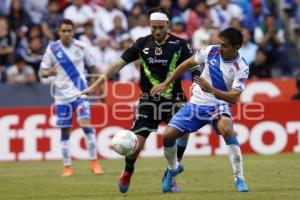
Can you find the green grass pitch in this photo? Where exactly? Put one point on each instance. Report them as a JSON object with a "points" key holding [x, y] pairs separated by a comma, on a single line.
{"points": [[268, 177]]}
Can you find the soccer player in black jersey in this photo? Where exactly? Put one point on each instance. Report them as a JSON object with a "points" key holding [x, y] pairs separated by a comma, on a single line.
{"points": [[159, 54]]}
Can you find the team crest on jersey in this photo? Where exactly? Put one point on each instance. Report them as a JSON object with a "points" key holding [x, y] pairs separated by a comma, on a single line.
{"points": [[77, 53], [158, 51]]}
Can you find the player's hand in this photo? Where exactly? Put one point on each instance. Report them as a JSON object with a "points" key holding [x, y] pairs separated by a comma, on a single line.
{"points": [[205, 86], [157, 89], [52, 71], [86, 91]]}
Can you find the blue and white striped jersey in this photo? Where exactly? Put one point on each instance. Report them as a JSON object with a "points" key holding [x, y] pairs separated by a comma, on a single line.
{"points": [[70, 62], [223, 75]]}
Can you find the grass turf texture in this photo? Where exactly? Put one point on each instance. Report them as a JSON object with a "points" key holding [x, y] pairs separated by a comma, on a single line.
{"points": [[268, 177]]}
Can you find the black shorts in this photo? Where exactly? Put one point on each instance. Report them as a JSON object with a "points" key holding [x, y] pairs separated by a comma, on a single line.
{"points": [[152, 111]]}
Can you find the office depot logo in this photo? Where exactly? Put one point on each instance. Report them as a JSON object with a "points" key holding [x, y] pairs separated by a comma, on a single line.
{"points": [[30, 134]]}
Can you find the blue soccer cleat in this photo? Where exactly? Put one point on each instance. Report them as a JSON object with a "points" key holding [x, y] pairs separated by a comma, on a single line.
{"points": [[169, 178], [241, 185], [174, 187]]}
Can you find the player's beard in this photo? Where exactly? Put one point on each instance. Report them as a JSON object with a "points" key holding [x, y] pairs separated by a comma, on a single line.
{"points": [[161, 38]]}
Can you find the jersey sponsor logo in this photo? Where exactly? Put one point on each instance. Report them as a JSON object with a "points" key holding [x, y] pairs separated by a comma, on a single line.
{"points": [[152, 60], [213, 61], [146, 50], [59, 54], [158, 51]]}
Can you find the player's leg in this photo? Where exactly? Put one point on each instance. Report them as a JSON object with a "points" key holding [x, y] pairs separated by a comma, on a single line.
{"points": [[224, 126], [181, 144], [143, 125], [184, 121], [64, 114], [66, 152], [83, 118], [125, 178]]}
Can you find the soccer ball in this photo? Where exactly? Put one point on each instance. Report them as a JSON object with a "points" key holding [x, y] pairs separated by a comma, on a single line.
{"points": [[124, 142]]}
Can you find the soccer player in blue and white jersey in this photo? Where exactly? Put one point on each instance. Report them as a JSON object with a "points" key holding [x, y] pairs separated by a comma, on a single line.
{"points": [[220, 85], [66, 59]]}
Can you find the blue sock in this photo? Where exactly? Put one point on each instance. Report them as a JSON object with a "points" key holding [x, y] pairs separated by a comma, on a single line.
{"points": [[90, 141], [64, 137], [231, 140], [88, 130], [181, 146]]}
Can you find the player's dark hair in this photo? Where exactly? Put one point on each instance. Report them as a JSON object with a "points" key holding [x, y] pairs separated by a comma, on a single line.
{"points": [[65, 21], [159, 9], [233, 35]]}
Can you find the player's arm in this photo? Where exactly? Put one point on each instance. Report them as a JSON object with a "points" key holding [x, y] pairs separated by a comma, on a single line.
{"points": [[47, 67], [179, 71], [110, 72], [45, 73], [231, 96]]}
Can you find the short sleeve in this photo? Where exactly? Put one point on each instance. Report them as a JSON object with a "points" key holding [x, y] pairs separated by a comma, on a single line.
{"points": [[240, 79], [132, 53], [201, 55], [89, 61], [186, 52], [47, 61]]}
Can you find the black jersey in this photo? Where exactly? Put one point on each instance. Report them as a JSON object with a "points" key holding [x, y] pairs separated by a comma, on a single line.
{"points": [[158, 61]]}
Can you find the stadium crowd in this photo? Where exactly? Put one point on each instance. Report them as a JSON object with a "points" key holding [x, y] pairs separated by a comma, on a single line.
{"points": [[271, 31]]}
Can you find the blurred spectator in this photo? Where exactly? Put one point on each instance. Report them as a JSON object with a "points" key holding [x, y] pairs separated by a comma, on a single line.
{"points": [[222, 14], [134, 15], [7, 43], [203, 36], [125, 5], [295, 25], [245, 5], [248, 49], [104, 55], [2, 74], [104, 18], [20, 73], [51, 19], [115, 34], [256, 17], [35, 31], [270, 37], [178, 26], [236, 23], [198, 13], [88, 37], [33, 54], [259, 68], [36, 9], [168, 5], [5, 7], [80, 14], [131, 72], [297, 95], [181, 9], [18, 19], [142, 29]]}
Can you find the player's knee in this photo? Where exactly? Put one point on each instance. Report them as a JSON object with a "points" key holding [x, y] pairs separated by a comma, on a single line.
{"points": [[84, 123], [168, 140], [66, 131], [227, 131]]}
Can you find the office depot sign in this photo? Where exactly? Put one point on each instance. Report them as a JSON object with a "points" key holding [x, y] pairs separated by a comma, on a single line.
{"points": [[30, 133]]}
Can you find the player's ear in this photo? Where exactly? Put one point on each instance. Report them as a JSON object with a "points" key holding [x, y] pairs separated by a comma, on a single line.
{"points": [[237, 47], [169, 24]]}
